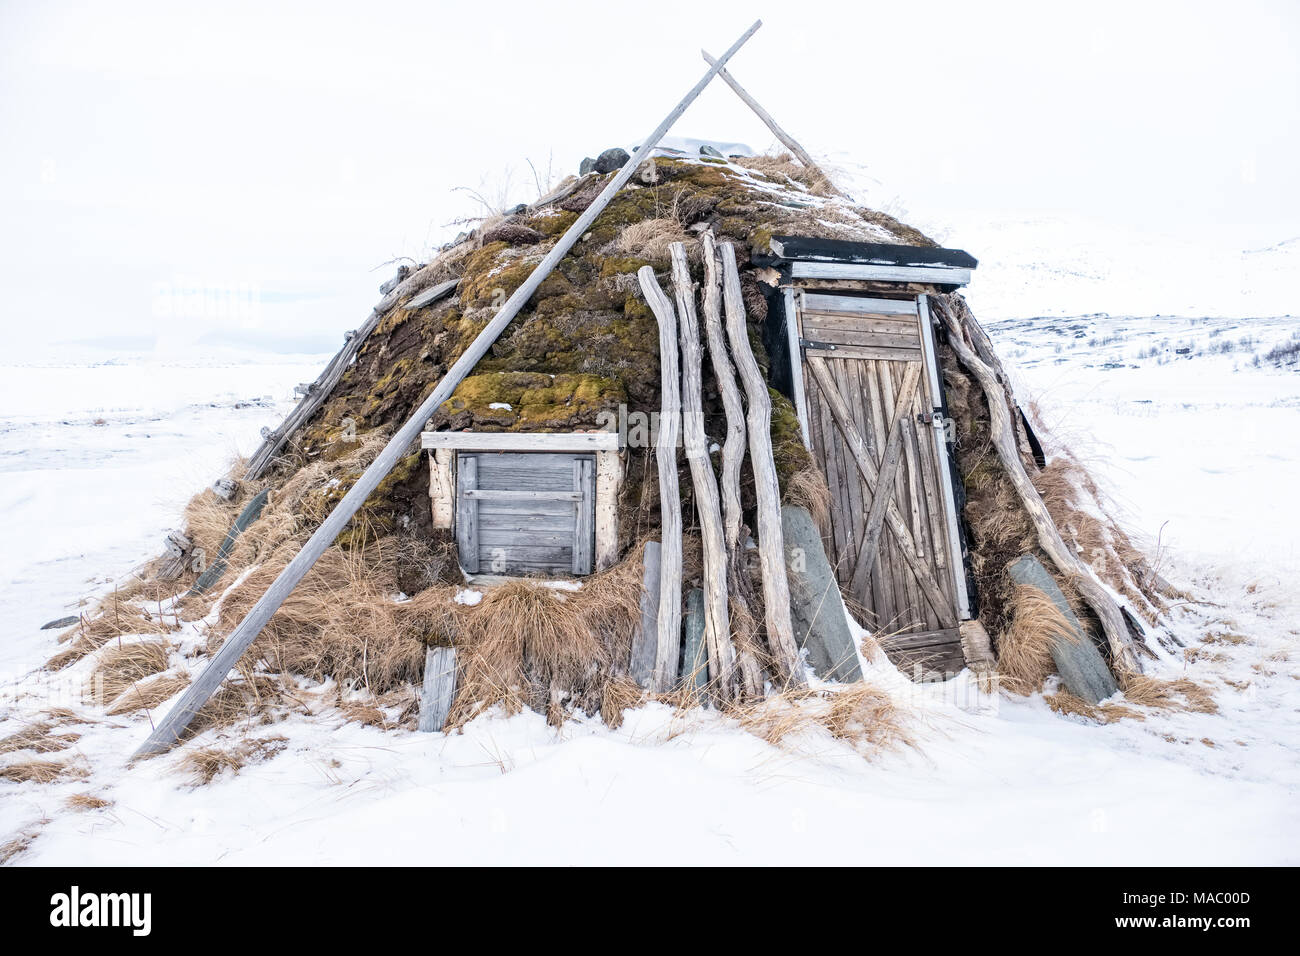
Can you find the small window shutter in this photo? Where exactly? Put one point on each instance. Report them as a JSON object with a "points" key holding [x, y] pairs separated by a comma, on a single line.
{"points": [[584, 529], [467, 513]]}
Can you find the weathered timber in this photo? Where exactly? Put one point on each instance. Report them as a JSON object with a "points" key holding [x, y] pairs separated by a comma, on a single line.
{"points": [[771, 552], [252, 511], [786, 139], [1076, 572], [205, 684], [641, 665], [669, 637], [733, 446], [176, 553], [439, 688], [717, 630]]}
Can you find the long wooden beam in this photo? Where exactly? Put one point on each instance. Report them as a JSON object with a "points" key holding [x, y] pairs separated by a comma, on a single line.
{"points": [[767, 489], [786, 139], [206, 683]]}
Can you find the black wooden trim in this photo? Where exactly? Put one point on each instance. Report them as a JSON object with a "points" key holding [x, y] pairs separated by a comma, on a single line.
{"points": [[876, 253]]}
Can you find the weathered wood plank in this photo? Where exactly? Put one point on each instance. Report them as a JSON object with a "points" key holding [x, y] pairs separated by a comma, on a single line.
{"points": [[937, 275], [609, 475], [717, 618], [669, 621], [467, 513], [584, 529], [250, 513], [771, 549], [641, 665], [873, 353], [849, 305], [433, 294], [439, 688], [862, 338], [442, 487], [512, 494], [522, 441], [733, 446], [939, 441]]}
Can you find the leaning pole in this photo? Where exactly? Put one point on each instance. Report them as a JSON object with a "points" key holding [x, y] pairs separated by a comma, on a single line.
{"points": [[168, 732]]}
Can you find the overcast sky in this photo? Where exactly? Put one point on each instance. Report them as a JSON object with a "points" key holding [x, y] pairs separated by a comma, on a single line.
{"points": [[292, 149]]}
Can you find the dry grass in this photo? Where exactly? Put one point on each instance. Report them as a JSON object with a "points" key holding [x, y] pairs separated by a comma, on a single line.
{"points": [[858, 714], [1180, 694], [527, 644], [83, 802], [38, 739], [340, 621], [1080, 513], [149, 694], [1063, 702], [783, 166], [1025, 648], [38, 771], [807, 488], [205, 764], [121, 666], [650, 239]]}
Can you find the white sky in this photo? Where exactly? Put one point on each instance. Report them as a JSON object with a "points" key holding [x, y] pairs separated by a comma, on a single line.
{"points": [[293, 148]]}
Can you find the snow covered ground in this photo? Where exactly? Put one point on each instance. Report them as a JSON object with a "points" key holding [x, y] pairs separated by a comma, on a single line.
{"points": [[1198, 447]]}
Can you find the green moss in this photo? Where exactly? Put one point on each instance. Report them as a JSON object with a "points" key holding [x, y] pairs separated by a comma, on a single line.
{"points": [[787, 439], [537, 401], [551, 224]]}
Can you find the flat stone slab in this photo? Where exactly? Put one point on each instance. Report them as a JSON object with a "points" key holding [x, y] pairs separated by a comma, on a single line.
{"points": [[816, 608], [1082, 668]]}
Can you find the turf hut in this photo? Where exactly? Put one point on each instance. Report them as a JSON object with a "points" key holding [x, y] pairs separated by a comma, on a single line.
{"points": [[650, 436]]}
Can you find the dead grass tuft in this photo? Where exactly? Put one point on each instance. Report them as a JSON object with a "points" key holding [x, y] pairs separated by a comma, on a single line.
{"points": [[650, 239], [862, 716], [341, 621], [38, 771], [784, 166], [38, 739], [807, 488], [1025, 648], [1180, 694], [205, 764], [122, 666], [1063, 702], [149, 694], [83, 802], [528, 644]]}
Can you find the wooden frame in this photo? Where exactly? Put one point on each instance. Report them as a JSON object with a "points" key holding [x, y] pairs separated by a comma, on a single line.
{"points": [[443, 448], [941, 448], [937, 275]]}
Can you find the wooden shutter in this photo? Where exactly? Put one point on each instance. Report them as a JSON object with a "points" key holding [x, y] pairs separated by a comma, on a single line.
{"points": [[522, 513]]}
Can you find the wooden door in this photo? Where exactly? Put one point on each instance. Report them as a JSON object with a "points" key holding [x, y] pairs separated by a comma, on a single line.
{"points": [[520, 513], [869, 405]]}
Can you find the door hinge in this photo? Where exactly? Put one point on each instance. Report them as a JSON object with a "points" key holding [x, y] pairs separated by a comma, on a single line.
{"points": [[809, 344]]}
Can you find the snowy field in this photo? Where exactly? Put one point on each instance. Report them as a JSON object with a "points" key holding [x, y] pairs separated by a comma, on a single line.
{"points": [[1196, 441]]}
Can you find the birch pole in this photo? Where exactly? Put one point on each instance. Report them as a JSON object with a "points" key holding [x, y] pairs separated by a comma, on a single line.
{"points": [[786, 139], [771, 540], [733, 446], [717, 621], [669, 632], [209, 679], [1002, 432]]}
